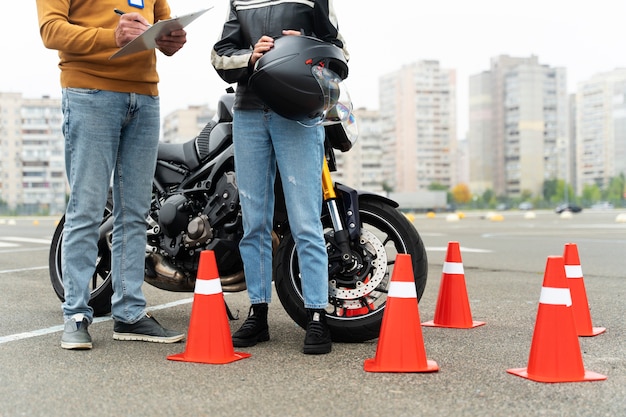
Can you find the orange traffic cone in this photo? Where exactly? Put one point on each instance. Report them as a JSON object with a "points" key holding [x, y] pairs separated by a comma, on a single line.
{"points": [[209, 339], [400, 343], [575, 281], [453, 309], [555, 351]]}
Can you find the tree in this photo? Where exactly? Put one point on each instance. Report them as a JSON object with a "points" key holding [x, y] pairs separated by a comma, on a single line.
{"points": [[461, 193], [488, 195], [435, 186], [550, 189], [591, 193], [615, 191]]}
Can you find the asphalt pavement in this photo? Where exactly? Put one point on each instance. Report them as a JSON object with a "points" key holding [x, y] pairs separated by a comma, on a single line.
{"points": [[504, 264]]}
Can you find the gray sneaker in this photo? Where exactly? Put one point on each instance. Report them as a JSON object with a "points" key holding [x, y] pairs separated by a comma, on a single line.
{"points": [[75, 334], [147, 329]]}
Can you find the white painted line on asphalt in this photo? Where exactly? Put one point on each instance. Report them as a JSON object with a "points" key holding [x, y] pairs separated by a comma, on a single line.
{"points": [[34, 268], [8, 245], [26, 240], [462, 249], [22, 249], [59, 328]]}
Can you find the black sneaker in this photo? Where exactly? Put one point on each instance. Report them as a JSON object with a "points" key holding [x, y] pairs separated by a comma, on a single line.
{"points": [[254, 329], [147, 329], [317, 340]]}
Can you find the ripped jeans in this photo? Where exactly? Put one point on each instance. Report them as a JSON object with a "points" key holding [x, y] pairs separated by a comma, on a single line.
{"points": [[264, 140]]}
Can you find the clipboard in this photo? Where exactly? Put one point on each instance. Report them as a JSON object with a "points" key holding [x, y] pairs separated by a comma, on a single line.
{"points": [[147, 40]]}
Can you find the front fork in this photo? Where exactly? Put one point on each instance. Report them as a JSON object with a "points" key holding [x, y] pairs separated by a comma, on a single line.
{"points": [[342, 232]]}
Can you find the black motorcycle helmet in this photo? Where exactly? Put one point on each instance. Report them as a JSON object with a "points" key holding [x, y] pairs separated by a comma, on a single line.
{"points": [[299, 77]]}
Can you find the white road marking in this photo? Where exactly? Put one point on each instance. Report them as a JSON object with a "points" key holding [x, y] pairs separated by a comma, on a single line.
{"points": [[8, 245], [34, 268], [462, 249], [59, 328], [26, 240]]}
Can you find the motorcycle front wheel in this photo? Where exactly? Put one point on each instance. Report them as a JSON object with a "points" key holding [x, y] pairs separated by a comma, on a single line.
{"points": [[101, 287], [356, 306]]}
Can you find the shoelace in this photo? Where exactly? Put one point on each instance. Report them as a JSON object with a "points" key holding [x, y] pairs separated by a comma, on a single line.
{"points": [[316, 328], [250, 322]]}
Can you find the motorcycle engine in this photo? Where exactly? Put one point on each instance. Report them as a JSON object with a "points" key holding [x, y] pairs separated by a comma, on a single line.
{"points": [[190, 220], [175, 214]]}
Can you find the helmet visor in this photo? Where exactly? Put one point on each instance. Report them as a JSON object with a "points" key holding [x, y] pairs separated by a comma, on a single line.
{"points": [[334, 109]]}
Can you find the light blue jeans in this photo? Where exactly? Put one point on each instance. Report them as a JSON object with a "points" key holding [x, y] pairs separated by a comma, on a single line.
{"points": [[109, 138], [263, 140]]}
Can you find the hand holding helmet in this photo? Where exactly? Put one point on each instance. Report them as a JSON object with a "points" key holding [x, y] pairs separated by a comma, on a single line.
{"points": [[260, 48], [299, 77]]}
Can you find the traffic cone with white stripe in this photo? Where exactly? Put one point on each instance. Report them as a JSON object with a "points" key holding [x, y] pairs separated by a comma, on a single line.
{"points": [[400, 343], [208, 339], [575, 281], [555, 354], [453, 308]]}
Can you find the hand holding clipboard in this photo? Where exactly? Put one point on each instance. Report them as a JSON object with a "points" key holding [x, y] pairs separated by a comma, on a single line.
{"points": [[147, 40]]}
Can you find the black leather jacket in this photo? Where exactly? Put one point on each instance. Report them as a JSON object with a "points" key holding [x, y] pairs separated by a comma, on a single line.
{"points": [[248, 20]]}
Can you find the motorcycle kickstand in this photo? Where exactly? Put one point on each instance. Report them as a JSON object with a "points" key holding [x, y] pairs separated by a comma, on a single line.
{"points": [[229, 313]]}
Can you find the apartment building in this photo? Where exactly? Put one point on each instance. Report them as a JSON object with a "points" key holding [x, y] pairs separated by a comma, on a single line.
{"points": [[518, 127], [418, 124], [32, 170], [361, 167], [601, 129], [183, 125]]}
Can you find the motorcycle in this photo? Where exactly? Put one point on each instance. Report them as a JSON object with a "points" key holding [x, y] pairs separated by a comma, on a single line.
{"points": [[195, 207]]}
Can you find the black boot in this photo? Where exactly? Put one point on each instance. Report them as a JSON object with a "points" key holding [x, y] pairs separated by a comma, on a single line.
{"points": [[254, 329], [317, 340]]}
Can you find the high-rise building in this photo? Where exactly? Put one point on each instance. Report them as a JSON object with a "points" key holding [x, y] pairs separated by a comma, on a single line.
{"points": [[601, 129], [518, 127], [185, 124], [361, 166], [418, 122], [32, 170]]}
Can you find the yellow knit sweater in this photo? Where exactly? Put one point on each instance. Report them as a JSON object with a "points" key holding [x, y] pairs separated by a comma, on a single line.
{"points": [[83, 33]]}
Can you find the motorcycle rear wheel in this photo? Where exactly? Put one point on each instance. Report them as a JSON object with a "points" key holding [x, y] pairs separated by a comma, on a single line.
{"points": [[385, 232], [101, 287]]}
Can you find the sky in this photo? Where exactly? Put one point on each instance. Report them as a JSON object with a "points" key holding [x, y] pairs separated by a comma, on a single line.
{"points": [[586, 38]]}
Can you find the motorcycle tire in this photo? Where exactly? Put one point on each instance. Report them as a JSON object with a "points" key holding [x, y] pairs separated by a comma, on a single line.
{"points": [[384, 227], [101, 287]]}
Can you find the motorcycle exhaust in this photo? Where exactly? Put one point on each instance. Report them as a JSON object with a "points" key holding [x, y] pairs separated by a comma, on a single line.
{"points": [[161, 274]]}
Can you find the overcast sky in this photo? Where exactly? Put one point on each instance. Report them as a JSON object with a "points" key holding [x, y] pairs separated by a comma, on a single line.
{"points": [[586, 38]]}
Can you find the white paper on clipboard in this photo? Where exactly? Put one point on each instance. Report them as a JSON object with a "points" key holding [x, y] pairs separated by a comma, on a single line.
{"points": [[147, 40]]}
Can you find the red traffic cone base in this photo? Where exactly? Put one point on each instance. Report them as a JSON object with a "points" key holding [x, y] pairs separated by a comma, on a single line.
{"points": [[400, 344], [575, 281], [555, 351], [453, 308], [208, 339]]}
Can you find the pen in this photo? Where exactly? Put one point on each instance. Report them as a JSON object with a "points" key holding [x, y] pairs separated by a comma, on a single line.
{"points": [[120, 12]]}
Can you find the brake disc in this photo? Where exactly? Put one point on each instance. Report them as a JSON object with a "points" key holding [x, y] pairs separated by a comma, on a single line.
{"points": [[351, 296]]}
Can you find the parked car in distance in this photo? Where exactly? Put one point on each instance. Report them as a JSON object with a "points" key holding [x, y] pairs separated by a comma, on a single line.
{"points": [[603, 205], [571, 207], [526, 205]]}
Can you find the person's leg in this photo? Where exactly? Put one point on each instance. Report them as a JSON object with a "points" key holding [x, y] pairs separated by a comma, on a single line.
{"points": [[90, 148], [132, 190], [299, 154], [255, 168]]}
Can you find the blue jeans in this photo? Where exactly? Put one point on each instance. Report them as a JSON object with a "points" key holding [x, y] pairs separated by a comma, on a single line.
{"points": [[264, 140], [109, 138]]}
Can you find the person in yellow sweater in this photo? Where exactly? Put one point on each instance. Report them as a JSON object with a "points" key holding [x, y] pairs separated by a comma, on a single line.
{"points": [[111, 120]]}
